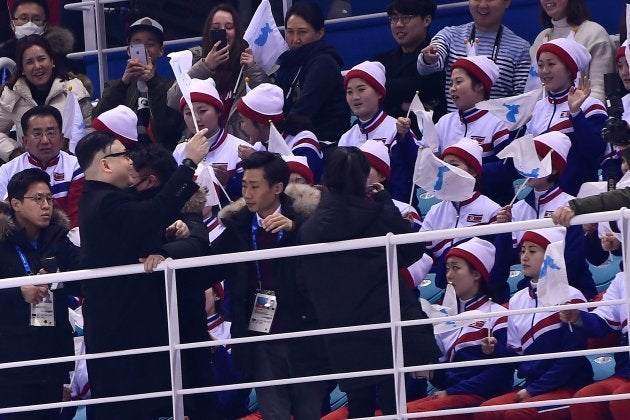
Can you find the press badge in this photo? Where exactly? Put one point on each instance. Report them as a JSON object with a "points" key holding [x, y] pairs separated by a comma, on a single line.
{"points": [[265, 305], [43, 313]]}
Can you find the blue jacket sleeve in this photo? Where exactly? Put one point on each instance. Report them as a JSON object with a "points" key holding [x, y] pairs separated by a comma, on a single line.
{"points": [[588, 144], [314, 161], [594, 326], [403, 161]]}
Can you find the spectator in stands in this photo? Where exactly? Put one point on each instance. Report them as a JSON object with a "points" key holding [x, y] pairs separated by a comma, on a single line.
{"points": [[262, 105], [232, 403], [269, 218], [299, 171], [38, 80], [310, 74], [224, 64], [349, 288], [547, 196], [560, 19], [570, 109], [488, 37], [43, 141], [602, 321], [410, 21], [143, 90], [472, 79], [31, 17], [118, 229], [34, 241], [223, 154], [476, 210], [542, 332], [468, 267]]}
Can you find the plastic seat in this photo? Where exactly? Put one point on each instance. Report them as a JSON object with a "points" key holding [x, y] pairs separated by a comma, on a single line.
{"points": [[603, 365], [605, 273], [516, 275], [428, 289], [425, 201]]}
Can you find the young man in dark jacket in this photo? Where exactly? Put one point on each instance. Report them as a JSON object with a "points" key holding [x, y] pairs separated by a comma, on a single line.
{"points": [[143, 90], [263, 294], [33, 234]]}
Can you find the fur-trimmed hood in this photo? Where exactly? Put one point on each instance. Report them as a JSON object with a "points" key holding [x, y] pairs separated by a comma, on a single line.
{"points": [[61, 39], [8, 225], [305, 199], [196, 203]]}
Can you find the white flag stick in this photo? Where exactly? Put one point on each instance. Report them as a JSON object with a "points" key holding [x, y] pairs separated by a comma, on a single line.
{"points": [[490, 329], [238, 80], [520, 188]]}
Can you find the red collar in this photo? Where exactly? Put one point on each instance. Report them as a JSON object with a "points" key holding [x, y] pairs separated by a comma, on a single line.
{"points": [[221, 136], [35, 162], [373, 123], [550, 195], [471, 115], [558, 98], [476, 303], [476, 195]]}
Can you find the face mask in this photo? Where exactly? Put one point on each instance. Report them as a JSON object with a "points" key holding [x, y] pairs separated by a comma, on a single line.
{"points": [[29, 28]]}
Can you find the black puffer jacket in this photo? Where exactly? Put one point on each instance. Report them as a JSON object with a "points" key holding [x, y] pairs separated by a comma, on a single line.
{"points": [[311, 78], [18, 340]]}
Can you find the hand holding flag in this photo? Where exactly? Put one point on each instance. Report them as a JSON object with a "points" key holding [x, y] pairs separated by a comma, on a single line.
{"points": [[264, 38]]}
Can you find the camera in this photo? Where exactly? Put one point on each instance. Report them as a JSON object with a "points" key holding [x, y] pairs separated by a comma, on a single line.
{"points": [[615, 131]]}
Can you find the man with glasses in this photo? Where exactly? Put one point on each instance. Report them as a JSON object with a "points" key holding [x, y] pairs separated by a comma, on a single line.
{"points": [[485, 35], [34, 319], [43, 141], [124, 312], [409, 22]]}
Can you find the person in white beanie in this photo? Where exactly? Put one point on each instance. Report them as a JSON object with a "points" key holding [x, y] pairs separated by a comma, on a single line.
{"points": [[468, 267], [262, 105], [562, 19], [223, 153], [365, 90], [472, 79], [300, 172], [545, 197], [121, 121], [543, 332], [570, 109], [466, 154]]}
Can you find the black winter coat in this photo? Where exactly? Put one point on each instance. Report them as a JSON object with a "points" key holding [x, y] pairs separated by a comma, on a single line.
{"points": [[18, 340], [350, 288], [317, 92]]}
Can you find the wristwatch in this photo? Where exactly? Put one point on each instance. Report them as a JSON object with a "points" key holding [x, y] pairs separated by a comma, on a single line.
{"points": [[189, 162]]}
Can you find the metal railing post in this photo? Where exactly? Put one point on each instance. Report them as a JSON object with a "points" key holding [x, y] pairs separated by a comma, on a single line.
{"points": [[175, 359], [101, 43], [625, 243], [396, 330]]}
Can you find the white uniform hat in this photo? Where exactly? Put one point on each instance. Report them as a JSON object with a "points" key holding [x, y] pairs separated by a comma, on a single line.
{"points": [[372, 72], [262, 104], [477, 252], [556, 142], [544, 237], [203, 91], [299, 165], [467, 150], [376, 153], [481, 67], [121, 121], [573, 54]]}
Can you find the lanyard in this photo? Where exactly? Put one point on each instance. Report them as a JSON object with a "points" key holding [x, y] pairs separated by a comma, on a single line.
{"points": [[27, 267], [497, 41], [255, 246]]}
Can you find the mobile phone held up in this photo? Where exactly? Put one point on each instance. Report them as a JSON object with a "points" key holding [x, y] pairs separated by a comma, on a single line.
{"points": [[138, 51], [217, 35]]}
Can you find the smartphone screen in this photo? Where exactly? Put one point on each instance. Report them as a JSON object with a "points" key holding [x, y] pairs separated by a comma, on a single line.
{"points": [[138, 51], [217, 35]]}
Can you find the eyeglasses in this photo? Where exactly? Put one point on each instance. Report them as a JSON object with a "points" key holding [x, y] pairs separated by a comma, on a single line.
{"points": [[24, 19], [51, 133], [39, 199], [117, 154], [404, 19]]}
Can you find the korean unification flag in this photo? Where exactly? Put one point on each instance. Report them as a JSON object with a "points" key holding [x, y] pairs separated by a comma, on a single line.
{"points": [[277, 144], [207, 180], [425, 124], [526, 160], [514, 111], [553, 283], [444, 181], [181, 62], [448, 308], [73, 126], [264, 38]]}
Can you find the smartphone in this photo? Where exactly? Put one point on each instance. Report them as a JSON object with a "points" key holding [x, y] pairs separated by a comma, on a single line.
{"points": [[217, 35], [138, 51]]}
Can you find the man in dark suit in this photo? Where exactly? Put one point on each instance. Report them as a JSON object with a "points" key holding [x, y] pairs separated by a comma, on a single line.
{"points": [[125, 312]]}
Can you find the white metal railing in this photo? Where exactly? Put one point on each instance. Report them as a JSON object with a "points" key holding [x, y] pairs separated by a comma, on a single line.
{"points": [[398, 369]]}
